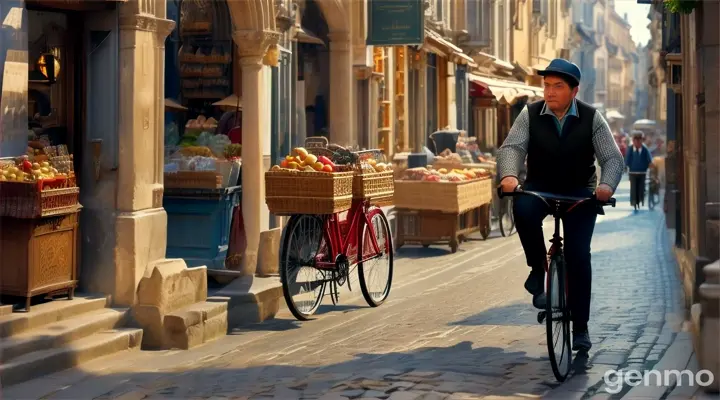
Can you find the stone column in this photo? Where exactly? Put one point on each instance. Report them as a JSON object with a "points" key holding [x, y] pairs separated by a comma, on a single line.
{"points": [[141, 226], [341, 89], [252, 47]]}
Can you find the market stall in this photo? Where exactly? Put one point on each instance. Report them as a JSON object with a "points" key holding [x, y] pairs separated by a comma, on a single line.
{"points": [[202, 194], [437, 206], [39, 213], [446, 202]]}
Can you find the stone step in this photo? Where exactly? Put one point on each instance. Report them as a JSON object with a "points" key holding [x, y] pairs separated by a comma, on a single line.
{"points": [[44, 362], [195, 324], [58, 334], [47, 313]]}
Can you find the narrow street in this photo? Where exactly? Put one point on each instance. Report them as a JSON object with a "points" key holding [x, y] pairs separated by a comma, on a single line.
{"points": [[456, 326]]}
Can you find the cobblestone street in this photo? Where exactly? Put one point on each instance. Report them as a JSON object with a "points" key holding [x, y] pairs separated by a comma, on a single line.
{"points": [[456, 326]]}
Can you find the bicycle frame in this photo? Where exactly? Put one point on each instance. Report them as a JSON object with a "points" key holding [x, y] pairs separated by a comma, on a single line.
{"points": [[339, 240]]}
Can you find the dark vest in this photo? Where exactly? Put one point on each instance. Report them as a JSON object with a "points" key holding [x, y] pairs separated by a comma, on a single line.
{"points": [[561, 163]]}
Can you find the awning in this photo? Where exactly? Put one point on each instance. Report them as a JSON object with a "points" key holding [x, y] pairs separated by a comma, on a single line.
{"points": [[464, 58], [437, 44], [172, 105], [505, 90], [304, 36], [231, 101], [501, 64], [614, 114]]}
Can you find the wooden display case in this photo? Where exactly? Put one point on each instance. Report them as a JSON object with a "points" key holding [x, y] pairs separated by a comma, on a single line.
{"points": [[39, 256]]}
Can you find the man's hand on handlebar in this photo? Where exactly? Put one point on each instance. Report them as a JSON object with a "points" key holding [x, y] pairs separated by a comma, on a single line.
{"points": [[509, 184], [603, 193]]}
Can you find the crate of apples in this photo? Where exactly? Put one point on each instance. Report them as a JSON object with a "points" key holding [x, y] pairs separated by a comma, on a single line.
{"points": [[301, 160]]}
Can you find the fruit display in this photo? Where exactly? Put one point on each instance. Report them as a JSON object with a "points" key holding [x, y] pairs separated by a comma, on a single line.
{"points": [[196, 151], [202, 123], [24, 170], [445, 175], [233, 151], [302, 160], [372, 165]]}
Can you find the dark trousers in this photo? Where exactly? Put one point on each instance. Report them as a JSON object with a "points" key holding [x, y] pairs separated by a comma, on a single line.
{"points": [[577, 231], [637, 189]]}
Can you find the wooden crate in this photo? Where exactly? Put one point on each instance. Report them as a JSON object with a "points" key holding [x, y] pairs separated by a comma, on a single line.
{"points": [[39, 256], [451, 197]]}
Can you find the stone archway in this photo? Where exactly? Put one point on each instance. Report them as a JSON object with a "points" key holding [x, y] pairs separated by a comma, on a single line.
{"points": [[254, 25], [336, 16]]}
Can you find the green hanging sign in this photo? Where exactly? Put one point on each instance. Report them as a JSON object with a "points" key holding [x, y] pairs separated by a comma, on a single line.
{"points": [[396, 22]]}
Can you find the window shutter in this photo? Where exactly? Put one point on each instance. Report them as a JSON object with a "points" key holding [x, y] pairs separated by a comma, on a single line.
{"points": [[486, 21], [537, 6]]}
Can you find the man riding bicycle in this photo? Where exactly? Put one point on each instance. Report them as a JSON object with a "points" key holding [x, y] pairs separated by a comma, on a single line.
{"points": [[638, 160], [561, 136]]}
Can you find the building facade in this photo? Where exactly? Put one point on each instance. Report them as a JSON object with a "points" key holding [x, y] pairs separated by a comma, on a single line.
{"points": [[584, 45], [689, 55], [642, 90]]}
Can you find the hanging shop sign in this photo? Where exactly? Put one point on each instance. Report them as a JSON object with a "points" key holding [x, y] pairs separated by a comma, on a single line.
{"points": [[396, 22]]}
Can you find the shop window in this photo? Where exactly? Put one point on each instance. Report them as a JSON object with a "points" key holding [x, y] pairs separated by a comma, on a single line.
{"points": [[13, 79]]}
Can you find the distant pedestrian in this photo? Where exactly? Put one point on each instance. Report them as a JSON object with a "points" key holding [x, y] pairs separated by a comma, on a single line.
{"points": [[638, 160]]}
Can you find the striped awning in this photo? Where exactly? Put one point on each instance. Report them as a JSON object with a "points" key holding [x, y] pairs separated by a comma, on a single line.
{"points": [[505, 90]]}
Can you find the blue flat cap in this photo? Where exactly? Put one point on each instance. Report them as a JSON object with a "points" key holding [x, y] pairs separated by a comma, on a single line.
{"points": [[561, 66]]}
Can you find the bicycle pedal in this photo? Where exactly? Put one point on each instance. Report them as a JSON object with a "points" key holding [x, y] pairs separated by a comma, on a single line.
{"points": [[541, 317]]}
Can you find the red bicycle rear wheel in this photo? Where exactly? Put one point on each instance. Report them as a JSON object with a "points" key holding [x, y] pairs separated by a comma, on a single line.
{"points": [[376, 291], [303, 284]]}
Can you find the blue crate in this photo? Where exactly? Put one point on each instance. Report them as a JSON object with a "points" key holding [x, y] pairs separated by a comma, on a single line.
{"points": [[199, 223]]}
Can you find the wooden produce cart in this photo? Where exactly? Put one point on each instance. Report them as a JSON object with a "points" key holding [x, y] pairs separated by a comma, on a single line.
{"points": [[38, 239], [442, 212]]}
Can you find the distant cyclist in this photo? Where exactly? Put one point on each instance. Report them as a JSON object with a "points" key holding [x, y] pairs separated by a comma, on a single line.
{"points": [[638, 159], [561, 137]]}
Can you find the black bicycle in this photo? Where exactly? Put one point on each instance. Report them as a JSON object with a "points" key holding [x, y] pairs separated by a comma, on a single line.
{"points": [[556, 306], [653, 192]]}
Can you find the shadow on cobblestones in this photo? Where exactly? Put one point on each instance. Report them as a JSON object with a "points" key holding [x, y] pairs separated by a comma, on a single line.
{"points": [[475, 372], [517, 314]]}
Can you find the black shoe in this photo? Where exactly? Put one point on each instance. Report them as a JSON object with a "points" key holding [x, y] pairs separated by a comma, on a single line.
{"points": [[581, 341], [535, 282]]}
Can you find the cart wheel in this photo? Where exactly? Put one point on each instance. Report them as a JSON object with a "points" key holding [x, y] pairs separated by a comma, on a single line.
{"points": [[462, 239], [485, 222], [425, 245], [453, 246]]}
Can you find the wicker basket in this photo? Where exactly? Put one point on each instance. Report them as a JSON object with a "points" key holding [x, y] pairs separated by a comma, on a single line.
{"points": [[373, 185], [193, 180], [455, 197], [25, 200], [297, 192]]}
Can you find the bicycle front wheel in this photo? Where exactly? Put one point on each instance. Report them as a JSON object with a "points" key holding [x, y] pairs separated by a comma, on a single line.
{"points": [[507, 219], [376, 274], [303, 284], [557, 320]]}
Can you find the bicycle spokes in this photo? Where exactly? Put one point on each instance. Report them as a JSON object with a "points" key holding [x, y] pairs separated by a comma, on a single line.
{"points": [[304, 284]]}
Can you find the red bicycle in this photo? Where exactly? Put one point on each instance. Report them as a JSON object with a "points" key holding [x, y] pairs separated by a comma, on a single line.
{"points": [[327, 248]]}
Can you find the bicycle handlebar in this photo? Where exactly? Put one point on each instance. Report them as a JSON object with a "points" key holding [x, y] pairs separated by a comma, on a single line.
{"points": [[549, 196]]}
